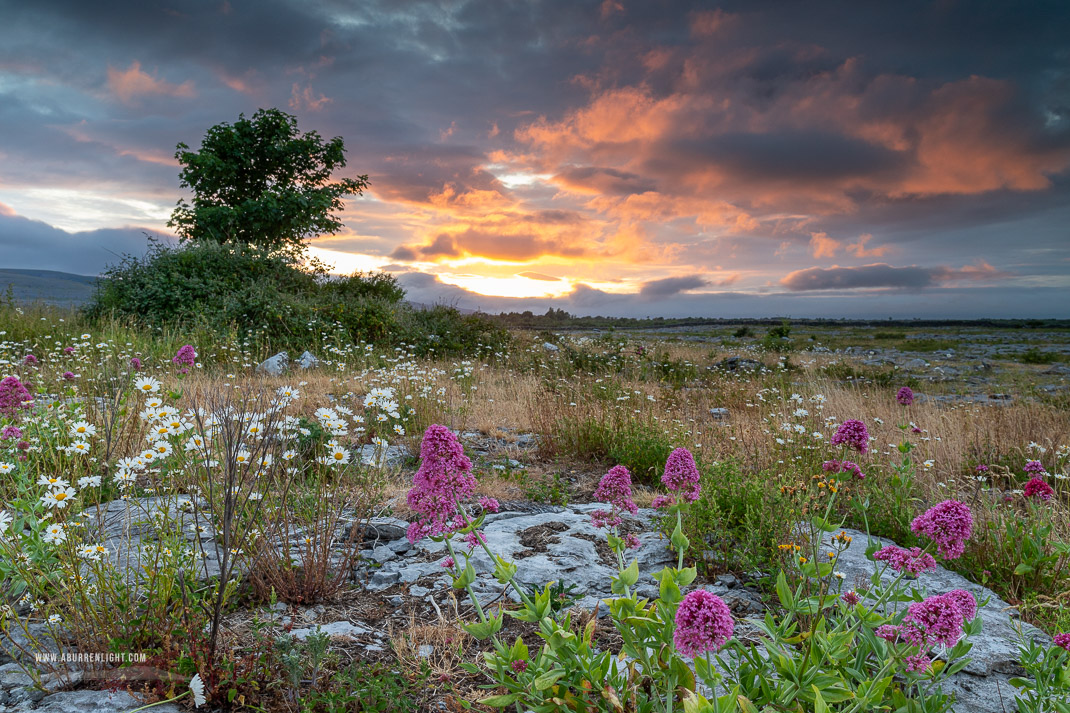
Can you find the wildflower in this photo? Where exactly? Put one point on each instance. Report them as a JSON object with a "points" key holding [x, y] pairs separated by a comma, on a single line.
{"points": [[10, 433], [1037, 488], [196, 686], [982, 468], [58, 498], [631, 542], [905, 396], [949, 524], [135, 363], [917, 663], [13, 395], [703, 623], [6, 468], [850, 597], [489, 504], [68, 376], [681, 475], [55, 619], [186, 356], [53, 481], [447, 563], [616, 488], [1034, 466], [5, 521], [519, 666], [29, 360], [1062, 641], [913, 560], [966, 603], [147, 385], [83, 429], [663, 501], [443, 479], [54, 533], [936, 620], [853, 434]]}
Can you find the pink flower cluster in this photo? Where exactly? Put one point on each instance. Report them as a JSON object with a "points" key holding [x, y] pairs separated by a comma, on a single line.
{"points": [[10, 433], [1062, 641], [1034, 466], [443, 480], [913, 560], [843, 466], [186, 356], [1037, 488], [905, 396], [703, 623], [936, 620], [949, 524], [681, 475], [13, 394], [615, 488], [853, 434]]}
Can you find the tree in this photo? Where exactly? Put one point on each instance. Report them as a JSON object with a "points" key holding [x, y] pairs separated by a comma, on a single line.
{"points": [[261, 182]]}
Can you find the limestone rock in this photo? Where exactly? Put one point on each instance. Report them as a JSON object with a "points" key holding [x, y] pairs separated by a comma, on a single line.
{"points": [[275, 366]]}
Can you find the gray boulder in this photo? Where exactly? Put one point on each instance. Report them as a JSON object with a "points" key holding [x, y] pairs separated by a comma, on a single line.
{"points": [[275, 366], [308, 360], [91, 702]]}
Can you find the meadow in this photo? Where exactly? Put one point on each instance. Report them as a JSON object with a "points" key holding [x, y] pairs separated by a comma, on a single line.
{"points": [[163, 497]]}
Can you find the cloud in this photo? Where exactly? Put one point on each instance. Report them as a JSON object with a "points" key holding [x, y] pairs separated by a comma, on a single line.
{"points": [[26, 243], [859, 249], [882, 275], [821, 245], [539, 276], [668, 286], [132, 83]]}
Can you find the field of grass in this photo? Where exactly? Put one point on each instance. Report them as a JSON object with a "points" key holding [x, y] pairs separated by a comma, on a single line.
{"points": [[118, 419]]}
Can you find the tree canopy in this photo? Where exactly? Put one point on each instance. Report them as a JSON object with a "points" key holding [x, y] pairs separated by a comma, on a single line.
{"points": [[263, 183]]}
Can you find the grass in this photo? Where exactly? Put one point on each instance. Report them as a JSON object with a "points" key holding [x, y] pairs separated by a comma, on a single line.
{"points": [[599, 401]]}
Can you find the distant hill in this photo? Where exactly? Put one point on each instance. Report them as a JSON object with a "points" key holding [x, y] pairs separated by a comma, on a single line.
{"points": [[49, 286]]}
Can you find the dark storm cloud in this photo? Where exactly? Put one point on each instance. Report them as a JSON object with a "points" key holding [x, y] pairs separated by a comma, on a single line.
{"points": [[28, 243], [668, 286], [882, 275], [605, 180]]}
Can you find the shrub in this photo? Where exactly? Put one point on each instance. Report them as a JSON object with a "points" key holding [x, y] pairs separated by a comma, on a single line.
{"points": [[224, 287]]}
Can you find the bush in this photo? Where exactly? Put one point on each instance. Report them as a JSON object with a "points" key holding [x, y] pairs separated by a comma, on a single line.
{"points": [[223, 287]]}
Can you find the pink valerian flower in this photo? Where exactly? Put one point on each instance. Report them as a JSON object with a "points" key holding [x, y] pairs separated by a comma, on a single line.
{"points": [[1062, 641], [631, 542], [474, 539], [889, 632], [447, 563], [1037, 488], [681, 475], [850, 597], [913, 560], [13, 395], [949, 524], [917, 663], [615, 488], [605, 519], [982, 468], [905, 396], [136, 363], [68, 350], [10, 433], [29, 360], [1034, 466], [936, 620], [68, 375], [853, 434], [703, 623], [966, 603], [663, 501], [186, 356], [443, 480], [489, 504], [519, 666], [915, 429], [843, 466]]}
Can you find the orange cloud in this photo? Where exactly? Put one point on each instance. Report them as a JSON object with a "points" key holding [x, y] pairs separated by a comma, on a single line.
{"points": [[307, 99], [859, 249], [129, 84], [821, 245]]}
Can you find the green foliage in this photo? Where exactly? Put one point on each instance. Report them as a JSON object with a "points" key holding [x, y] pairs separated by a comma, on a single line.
{"points": [[778, 338], [226, 288], [261, 182], [1035, 356]]}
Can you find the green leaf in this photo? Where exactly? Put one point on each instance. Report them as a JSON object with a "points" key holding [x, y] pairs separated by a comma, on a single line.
{"points": [[500, 701], [783, 592], [1023, 568], [679, 539], [626, 578], [548, 679]]}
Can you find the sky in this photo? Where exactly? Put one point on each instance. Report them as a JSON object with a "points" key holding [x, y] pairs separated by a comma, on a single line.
{"points": [[618, 157]]}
